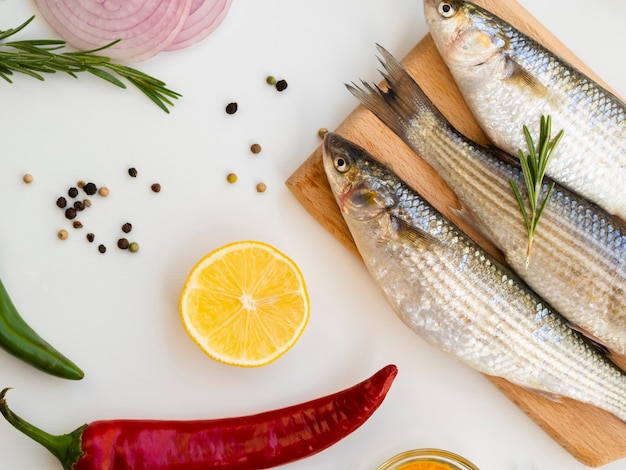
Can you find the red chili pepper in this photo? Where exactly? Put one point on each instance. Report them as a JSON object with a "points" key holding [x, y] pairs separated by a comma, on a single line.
{"points": [[253, 442]]}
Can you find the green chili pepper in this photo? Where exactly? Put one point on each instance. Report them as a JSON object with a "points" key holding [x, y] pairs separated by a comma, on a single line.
{"points": [[19, 339]]}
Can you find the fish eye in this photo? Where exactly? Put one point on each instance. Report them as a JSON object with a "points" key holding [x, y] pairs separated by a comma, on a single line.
{"points": [[446, 9], [341, 164]]}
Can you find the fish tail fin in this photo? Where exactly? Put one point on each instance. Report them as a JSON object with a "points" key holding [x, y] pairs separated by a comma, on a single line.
{"points": [[401, 103]]}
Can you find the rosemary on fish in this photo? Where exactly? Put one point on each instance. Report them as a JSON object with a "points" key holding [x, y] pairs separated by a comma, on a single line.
{"points": [[40, 56], [534, 165]]}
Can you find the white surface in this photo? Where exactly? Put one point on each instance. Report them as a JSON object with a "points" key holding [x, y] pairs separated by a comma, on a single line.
{"points": [[116, 314]]}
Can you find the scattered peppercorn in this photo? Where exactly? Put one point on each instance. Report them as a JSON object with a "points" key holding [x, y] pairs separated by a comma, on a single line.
{"points": [[261, 187], [62, 234], [132, 172], [90, 189], [102, 248], [72, 192], [86, 203], [70, 213], [103, 191], [80, 183], [123, 243], [156, 187], [90, 237], [133, 247], [61, 202], [77, 224], [270, 80], [231, 108], [79, 206], [255, 148], [322, 132], [231, 178], [27, 178], [127, 227], [281, 85]]}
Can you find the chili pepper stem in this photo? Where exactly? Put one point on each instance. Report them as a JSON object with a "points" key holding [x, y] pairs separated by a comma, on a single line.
{"points": [[65, 447]]}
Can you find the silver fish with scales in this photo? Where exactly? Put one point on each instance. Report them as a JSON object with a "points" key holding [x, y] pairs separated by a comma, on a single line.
{"points": [[578, 263], [456, 296], [508, 80]]}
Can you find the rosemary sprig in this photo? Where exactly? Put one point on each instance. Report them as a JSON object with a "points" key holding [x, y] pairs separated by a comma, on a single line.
{"points": [[38, 57], [534, 165]]}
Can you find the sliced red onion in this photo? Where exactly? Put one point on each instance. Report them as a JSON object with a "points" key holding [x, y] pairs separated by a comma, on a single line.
{"points": [[204, 17], [145, 27]]}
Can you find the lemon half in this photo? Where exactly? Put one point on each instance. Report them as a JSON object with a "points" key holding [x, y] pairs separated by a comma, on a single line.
{"points": [[245, 304]]}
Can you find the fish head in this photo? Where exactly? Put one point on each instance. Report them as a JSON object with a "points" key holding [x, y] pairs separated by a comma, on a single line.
{"points": [[465, 34], [362, 187]]}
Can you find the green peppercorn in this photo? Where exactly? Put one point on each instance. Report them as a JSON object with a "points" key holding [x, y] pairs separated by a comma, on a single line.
{"points": [[133, 247], [231, 178], [270, 80]]}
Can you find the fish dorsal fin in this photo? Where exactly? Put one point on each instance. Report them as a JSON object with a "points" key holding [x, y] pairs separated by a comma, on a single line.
{"points": [[593, 340], [503, 155], [417, 237], [547, 395], [523, 77]]}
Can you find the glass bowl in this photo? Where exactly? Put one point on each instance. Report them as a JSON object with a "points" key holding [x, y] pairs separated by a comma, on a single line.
{"points": [[427, 459]]}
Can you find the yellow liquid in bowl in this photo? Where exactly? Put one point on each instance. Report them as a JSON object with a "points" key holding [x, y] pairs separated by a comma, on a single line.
{"points": [[424, 465]]}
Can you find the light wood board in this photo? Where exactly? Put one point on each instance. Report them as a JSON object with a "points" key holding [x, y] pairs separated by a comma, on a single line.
{"points": [[592, 436]]}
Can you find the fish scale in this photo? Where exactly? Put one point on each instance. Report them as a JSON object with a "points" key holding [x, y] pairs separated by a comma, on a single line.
{"points": [[455, 295], [578, 259], [508, 80]]}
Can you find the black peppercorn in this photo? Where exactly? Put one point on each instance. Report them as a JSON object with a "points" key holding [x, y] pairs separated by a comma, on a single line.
{"points": [[231, 108], [127, 227], [61, 202], [281, 85], [90, 237], [132, 172], [72, 192], [102, 248], [123, 243], [156, 187], [90, 189], [70, 213], [79, 206]]}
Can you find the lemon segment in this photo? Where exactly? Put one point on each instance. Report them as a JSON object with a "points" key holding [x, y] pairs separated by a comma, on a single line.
{"points": [[245, 304]]}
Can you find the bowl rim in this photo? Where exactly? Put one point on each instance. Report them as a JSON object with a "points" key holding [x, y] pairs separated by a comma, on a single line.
{"points": [[427, 452]]}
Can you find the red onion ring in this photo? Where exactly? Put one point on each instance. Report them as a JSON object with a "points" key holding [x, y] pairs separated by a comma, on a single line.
{"points": [[145, 27], [204, 17]]}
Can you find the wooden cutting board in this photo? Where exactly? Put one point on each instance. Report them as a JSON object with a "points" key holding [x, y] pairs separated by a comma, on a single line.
{"points": [[592, 436]]}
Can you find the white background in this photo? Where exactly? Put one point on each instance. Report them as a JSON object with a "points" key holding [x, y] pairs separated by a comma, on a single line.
{"points": [[116, 314]]}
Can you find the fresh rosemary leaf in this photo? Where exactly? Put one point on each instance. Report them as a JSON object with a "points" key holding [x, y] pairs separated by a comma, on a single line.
{"points": [[534, 165], [43, 56]]}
